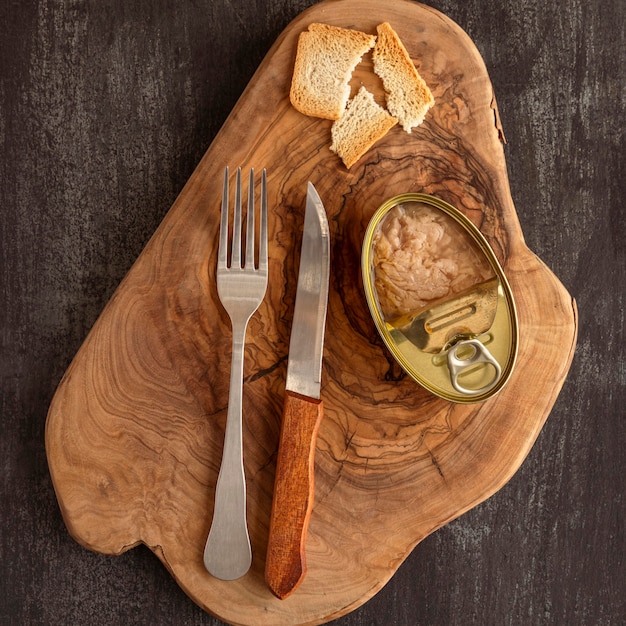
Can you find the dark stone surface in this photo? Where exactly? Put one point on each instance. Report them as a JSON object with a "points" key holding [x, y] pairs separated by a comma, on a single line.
{"points": [[105, 109]]}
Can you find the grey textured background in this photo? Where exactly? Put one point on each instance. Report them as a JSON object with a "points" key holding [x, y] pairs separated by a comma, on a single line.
{"points": [[105, 109]]}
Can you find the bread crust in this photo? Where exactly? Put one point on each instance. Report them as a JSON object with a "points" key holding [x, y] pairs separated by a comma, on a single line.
{"points": [[327, 56], [325, 59], [361, 126], [408, 95]]}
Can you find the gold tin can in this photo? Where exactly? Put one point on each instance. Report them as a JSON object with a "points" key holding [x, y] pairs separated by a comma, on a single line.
{"points": [[439, 298]]}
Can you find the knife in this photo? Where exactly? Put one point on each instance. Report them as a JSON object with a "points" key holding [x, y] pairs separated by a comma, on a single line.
{"points": [[302, 410]]}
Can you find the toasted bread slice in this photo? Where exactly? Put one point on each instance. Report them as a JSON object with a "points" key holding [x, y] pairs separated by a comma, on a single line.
{"points": [[408, 96], [363, 124], [325, 59]]}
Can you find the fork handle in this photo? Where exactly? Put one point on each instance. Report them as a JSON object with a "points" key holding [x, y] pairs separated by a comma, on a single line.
{"points": [[228, 554], [293, 494]]}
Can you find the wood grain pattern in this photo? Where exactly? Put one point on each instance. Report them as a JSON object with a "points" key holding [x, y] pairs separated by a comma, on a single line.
{"points": [[135, 429]]}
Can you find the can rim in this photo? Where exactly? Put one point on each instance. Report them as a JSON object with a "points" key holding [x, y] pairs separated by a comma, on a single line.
{"points": [[382, 326]]}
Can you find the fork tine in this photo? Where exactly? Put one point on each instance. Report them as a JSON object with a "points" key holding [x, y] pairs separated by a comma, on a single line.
{"points": [[263, 233], [249, 263], [222, 251], [236, 245]]}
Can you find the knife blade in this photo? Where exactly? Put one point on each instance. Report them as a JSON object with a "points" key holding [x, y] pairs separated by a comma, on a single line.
{"points": [[302, 409]]}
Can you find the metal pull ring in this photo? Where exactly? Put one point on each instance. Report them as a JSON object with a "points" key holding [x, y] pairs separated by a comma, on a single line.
{"points": [[467, 354]]}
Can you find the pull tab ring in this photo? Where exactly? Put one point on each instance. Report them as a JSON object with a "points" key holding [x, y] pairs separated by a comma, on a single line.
{"points": [[459, 362]]}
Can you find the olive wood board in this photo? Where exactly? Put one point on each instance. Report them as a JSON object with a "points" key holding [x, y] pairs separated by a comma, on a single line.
{"points": [[135, 430]]}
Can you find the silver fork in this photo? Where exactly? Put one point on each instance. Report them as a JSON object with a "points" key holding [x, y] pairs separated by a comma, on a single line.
{"points": [[241, 288]]}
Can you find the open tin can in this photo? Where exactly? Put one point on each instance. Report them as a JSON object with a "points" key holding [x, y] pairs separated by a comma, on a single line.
{"points": [[439, 298]]}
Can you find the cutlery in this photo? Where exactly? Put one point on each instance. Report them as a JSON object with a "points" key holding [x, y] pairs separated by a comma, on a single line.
{"points": [[302, 410], [241, 287]]}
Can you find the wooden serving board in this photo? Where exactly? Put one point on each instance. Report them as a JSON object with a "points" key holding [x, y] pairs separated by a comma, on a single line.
{"points": [[134, 433]]}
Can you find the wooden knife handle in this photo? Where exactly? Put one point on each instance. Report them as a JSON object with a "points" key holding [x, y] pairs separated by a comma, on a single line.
{"points": [[293, 494]]}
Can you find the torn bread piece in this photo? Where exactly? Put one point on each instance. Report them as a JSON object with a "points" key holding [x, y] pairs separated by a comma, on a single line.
{"points": [[408, 96], [363, 124], [325, 59]]}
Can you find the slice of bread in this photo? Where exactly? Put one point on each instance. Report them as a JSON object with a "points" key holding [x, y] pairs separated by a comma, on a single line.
{"points": [[325, 59], [408, 96], [363, 124]]}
